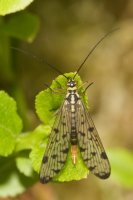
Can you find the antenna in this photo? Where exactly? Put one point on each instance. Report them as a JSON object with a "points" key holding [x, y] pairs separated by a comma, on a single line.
{"points": [[38, 59], [93, 48]]}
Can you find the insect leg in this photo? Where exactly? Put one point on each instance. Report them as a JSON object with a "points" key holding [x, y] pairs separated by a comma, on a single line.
{"points": [[82, 85], [88, 87], [83, 92], [58, 83]]}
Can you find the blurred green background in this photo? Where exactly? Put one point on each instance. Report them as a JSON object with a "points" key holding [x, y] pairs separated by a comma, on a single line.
{"points": [[68, 30]]}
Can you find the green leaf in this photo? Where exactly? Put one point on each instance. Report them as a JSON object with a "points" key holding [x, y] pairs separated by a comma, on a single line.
{"points": [[9, 180], [28, 28], [29, 140], [7, 142], [47, 103], [24, 166], [36, 155], [12, 182], [38, 138], [122, 166], [12, 187], [10, 124], [11, 6]]}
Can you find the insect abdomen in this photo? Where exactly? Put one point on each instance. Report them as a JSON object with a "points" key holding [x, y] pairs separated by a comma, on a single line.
{"points": [[73, 136], [73, 126], [72, 98]]}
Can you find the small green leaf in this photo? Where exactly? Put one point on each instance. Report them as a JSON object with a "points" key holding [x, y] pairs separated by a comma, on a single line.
{"points": [[28, 28], [9, 180], [10, 124], [24, 166], [29, 140], [7, 141], [45, 102], [36, 155], [12, 182], [11, 6], [122, 166], [12, 187]]}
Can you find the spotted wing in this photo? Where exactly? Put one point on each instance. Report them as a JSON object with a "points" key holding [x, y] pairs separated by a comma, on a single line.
{"points": [[91, 148], [58, 145]]}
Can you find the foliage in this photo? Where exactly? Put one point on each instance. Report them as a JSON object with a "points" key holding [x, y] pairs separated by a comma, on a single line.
{"points": [[15, 167], [21, 152], [10, 124], [28, 148], [122, 166], [27, 31], [11, 6]]}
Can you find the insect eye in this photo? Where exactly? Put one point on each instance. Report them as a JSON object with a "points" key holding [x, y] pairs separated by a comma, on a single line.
{"points": [[73, 84]]}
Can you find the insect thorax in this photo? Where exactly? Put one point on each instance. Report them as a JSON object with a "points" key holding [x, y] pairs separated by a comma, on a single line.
{"points": [[72, 95]]}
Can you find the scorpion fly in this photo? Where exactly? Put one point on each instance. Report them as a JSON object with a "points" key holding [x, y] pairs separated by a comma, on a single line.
{"points": [[74, 129]]}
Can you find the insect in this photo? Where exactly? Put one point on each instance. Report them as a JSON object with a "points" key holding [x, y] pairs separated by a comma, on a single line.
{"points": [[74, 129]]}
